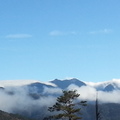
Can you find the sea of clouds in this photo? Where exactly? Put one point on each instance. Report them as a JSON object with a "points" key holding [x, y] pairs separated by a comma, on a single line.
{"points": [[16, 99]]}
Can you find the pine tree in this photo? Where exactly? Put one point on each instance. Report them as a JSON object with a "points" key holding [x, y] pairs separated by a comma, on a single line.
{"points": [[66, 106]]}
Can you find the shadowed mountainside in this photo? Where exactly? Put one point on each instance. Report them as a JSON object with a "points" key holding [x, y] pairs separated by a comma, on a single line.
{"points": [[9, 116], [63, 84]]}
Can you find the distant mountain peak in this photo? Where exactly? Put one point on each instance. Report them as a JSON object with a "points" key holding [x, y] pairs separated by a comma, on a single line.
{"points": [[63, 84], [109, 88]]}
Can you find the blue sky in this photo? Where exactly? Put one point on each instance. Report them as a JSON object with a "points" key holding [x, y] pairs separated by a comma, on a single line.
{"points": [[48, 39]]}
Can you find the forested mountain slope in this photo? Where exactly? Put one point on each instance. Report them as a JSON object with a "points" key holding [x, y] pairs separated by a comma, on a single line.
{"points": [[9, 116]]}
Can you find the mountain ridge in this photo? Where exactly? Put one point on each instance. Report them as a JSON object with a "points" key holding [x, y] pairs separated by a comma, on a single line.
{"points": [[33, 99], [9, 116], [63, 84]]}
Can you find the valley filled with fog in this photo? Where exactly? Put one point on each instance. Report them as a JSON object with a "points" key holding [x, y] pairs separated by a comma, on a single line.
{"points": [[32, 98]]}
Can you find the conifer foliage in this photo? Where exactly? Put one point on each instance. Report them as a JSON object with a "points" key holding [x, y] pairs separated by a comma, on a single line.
{"points": [[66, 106]]}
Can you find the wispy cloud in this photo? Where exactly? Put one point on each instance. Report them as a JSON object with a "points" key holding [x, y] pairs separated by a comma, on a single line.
{"points": [[104, 31], [56, 33], [18, 36], [62, 33]]}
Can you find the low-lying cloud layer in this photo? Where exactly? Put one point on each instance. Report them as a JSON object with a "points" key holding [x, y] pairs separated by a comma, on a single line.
{"points": [[18, 99], [90, 94]]}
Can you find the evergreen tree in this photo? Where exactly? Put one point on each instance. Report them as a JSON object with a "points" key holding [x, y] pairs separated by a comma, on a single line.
{"points": [[66, 106]]}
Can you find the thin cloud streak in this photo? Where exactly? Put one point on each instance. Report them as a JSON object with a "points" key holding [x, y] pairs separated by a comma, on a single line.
{"points": [[19, 36], [104, 31], [61, 33], [56, 33]]}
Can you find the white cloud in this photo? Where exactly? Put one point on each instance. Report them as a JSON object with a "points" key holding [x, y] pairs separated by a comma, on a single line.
{"points": [[104, 31], [86, 92], [4, 83], [56, 33], [109, 97], [18, 36], [21, 98], [10, 103], [61, 33], [89, 93], [52, 90]]}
